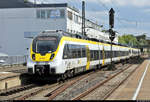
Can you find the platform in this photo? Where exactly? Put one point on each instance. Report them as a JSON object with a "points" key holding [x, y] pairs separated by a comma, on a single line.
{"points": [[10, 79], [137, 87]]}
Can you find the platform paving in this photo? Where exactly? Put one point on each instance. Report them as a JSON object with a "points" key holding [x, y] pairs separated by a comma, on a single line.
{"points": [[128, 89]]}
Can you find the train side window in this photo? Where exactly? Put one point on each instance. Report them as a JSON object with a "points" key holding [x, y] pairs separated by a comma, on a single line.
{"points": [[71, 50], [94, 53], [109, 54], [106, 54], [74, 51], [65, 52], [83, 51], [91, 55], [101, 54], [115, 53], [78, 47], [97, 55]]}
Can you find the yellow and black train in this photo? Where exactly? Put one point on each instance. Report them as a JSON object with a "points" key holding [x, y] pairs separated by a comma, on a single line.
{"points": [[56, 53]]}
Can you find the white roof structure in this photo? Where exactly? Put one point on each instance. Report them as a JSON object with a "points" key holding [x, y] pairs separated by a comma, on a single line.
{"points": [[3, 54]]}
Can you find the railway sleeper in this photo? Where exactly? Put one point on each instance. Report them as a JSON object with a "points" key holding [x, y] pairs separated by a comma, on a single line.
{"points": [[13, 91]]}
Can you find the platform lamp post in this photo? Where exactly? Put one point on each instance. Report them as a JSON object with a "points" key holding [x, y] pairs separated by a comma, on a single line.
{"points": [[111, 34]]}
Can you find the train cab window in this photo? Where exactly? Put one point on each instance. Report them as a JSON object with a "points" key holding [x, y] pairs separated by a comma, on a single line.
{"points": [[45, 44]]}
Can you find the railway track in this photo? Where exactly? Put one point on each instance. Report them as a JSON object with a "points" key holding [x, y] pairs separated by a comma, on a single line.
{"points": [[15, 69], [19, 71], [111, 86], [16, 89], [57, 89]]}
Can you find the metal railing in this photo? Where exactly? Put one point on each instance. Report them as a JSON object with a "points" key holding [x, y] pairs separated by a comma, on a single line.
{"points": [[13, 60]]}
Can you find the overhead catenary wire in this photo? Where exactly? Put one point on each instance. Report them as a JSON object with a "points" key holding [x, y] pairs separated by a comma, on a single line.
{"points": [[119, 19]]}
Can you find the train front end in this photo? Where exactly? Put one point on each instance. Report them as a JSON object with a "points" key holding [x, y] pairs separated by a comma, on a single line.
{"points": [[43, 51]]}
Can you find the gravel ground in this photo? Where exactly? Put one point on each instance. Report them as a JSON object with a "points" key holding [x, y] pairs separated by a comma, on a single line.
{"points": [[100, 92], [18, 94], [15, 69], [41, 95], [84, 84]]}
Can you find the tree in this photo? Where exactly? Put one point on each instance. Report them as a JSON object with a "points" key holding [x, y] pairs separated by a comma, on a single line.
{"points": [[128, 40], [131, 40], [26, 1]]}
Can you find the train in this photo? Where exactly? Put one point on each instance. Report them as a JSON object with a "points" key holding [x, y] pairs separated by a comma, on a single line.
{"points": [[62, 54]]}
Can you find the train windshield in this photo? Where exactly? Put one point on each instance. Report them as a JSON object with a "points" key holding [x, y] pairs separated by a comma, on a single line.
{"points": [[45, 44]]}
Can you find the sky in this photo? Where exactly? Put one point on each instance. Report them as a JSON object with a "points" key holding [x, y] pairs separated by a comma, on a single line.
{"points": [[131, 16]]}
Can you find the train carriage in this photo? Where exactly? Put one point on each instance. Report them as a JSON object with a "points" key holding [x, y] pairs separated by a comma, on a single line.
{"points": [[55, 52]]}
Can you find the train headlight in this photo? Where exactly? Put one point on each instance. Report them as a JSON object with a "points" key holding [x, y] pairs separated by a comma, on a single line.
{"points": [[33, 56], [52, 56]]}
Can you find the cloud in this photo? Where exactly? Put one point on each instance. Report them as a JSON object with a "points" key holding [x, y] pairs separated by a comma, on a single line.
{"points": [[98, 16], [146, 10], [134, 31], [128, 9], [137, 3]]}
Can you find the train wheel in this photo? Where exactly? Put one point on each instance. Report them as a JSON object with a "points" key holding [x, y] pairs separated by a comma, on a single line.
{"points": [[62, 78]]}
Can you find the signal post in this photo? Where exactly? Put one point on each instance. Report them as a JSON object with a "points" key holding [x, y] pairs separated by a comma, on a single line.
{"points": [[111, 34]]}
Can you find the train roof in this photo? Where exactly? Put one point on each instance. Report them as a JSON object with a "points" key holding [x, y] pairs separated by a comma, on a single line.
{"points": [[61, 33]]}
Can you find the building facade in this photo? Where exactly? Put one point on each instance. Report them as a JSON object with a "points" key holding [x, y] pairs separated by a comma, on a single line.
{"points": [[19, 23]]}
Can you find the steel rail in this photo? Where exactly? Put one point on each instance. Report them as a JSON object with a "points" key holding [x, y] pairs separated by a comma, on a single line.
{"points": [[98, 85], [56, 92], [106, 96]]}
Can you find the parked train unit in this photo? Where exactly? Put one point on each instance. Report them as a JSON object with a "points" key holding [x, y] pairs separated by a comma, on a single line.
{"points": [[57, 53]]}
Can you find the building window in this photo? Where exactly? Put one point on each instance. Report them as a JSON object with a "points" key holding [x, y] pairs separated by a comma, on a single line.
{"points": [[70, 15], [46, 14], [43, 14], [38, 14], [76, 18], [80, 20]]}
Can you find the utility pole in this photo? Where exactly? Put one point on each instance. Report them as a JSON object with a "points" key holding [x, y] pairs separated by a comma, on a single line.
{"points": [[34, 3], [83, 18], [111, 33]]}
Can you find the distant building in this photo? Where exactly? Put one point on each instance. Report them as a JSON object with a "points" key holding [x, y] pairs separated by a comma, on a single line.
{"points": [[20, 21]]}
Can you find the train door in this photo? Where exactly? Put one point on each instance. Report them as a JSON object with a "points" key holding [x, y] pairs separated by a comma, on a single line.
{"points": [[88, 57], [103, 53]]}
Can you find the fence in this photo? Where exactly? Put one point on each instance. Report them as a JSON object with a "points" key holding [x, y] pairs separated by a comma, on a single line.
{"points": [[13, 60]]}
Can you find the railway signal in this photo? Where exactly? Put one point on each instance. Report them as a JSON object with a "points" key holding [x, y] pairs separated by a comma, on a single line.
{"points": [[111, 18], [111, 32]]}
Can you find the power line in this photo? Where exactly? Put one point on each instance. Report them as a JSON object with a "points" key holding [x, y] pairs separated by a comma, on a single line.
{"points": [[103, 5]]}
